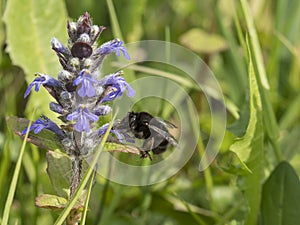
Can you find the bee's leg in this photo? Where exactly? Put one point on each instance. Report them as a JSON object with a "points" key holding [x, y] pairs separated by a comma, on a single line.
{"points": [[146, 154], [147, 146]]}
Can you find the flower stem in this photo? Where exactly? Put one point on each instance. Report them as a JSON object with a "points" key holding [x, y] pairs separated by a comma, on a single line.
{"points": [[76, 173]]}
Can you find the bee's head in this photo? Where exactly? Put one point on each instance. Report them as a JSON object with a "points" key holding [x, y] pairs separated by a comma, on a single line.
{"points": [[141, 118], [139, 124], [132, 119]]}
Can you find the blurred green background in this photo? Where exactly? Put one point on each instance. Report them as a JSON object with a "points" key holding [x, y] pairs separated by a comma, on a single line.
{"points": [[264, 110]]}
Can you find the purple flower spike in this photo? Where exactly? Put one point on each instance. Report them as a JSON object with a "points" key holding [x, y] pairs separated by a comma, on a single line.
{"points": [[83, 117], [44, 123], [113, 46], [87, 82], [117, 85], [43, 79]]}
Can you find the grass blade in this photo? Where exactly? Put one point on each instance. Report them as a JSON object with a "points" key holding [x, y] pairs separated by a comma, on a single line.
{"points": [[114, 20], [238, 79], [14, 180], [117, 32], [255, 43], [86, 204], [209, 184], [194, 215], [175, 77]]}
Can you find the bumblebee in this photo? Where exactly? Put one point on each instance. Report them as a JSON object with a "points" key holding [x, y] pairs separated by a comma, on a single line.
{"points": [[154, 132]]}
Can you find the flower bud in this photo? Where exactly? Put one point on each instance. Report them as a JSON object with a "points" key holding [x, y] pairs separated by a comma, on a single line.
{"points": [[72, 30], [75, 63], [87, 63], [66, 96], [66, 142], [65, 76], [84, 38]]}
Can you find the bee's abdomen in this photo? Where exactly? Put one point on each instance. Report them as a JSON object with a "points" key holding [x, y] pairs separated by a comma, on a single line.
{"points": [[161, 147]]}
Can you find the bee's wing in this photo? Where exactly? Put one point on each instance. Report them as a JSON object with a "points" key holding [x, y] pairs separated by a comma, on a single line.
{"points": [[45, 139], [165, 123], [165, 135], [122, 124]]}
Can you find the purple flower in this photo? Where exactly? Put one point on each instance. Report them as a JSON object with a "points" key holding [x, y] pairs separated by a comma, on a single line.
{"points": [[83, 117], [113, 46], [58, 47], [102, 130], [116, 85], [87, 82], [43, 79], [44, 123], [102, 110], [56, 107]]}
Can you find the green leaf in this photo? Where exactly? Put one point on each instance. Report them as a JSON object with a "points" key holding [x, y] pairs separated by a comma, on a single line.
{"points": [[45, 139], [202, 42], [30, 26], [50, 202], [280, 197], [270, 122], [249, 149], [244, 145]]}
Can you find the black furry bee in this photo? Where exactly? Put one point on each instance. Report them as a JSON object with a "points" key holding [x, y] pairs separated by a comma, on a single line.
{"points": [[153, 130]]}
